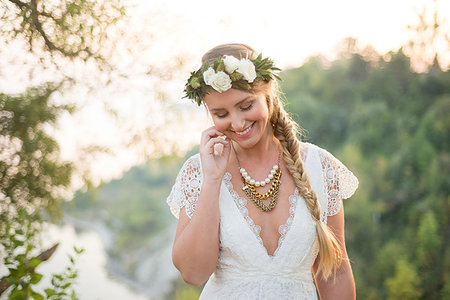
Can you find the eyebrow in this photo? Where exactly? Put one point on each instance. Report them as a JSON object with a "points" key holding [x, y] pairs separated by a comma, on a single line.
{"points": [[237, 104]]}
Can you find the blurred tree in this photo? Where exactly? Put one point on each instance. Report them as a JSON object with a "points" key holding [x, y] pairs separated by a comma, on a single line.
{"points": [[391, 127], [430, 41], [32, 175], [75, 29], [405, 284]]}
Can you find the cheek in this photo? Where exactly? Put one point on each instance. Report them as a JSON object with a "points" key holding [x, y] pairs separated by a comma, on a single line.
{"points": [[261, 113], [220, 125]]}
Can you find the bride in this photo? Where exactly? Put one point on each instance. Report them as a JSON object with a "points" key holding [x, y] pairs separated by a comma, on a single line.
{"points": [[260, 212]]}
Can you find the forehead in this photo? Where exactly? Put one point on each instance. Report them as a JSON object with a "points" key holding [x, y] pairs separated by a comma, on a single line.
{"points": [[228, 99]]}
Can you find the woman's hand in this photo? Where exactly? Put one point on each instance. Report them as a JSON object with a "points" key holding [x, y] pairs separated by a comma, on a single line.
{"points": [[214, 164]]}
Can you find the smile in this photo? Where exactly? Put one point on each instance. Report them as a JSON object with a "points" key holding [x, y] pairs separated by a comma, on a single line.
{"points": [[246, 132]]}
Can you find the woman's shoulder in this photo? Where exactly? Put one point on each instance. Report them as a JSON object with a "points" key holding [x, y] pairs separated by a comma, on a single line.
{"points": [[192, 161], [309, 149]]}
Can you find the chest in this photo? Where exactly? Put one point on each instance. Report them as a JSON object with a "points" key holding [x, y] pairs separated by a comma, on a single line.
{"points": [[267, 224]]}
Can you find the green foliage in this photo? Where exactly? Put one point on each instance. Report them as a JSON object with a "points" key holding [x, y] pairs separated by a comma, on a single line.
{"points": [[31, 172], [405, 284], [391, 127], [134, 217], [29, 167], [188, 293], [19, 245], [62, 283], [30, 175], [71, 29]]}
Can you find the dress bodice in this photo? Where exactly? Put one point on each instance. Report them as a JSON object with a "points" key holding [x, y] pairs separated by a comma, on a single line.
{"points": [[245, 270]]}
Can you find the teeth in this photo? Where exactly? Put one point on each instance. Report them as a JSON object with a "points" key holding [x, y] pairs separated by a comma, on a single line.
{"points": [[245, 131]]}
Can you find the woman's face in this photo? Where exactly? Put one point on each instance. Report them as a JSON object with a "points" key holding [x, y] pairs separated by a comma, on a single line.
{"points": [[241, 116]]}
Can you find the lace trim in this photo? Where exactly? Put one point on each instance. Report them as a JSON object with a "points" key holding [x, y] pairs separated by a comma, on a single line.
{"points": [[283, 229], [241, 204], [339, 183], [186, 189]]}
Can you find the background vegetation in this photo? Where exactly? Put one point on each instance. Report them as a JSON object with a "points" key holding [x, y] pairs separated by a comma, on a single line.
{"points": [[386, 122], [390, 126]]}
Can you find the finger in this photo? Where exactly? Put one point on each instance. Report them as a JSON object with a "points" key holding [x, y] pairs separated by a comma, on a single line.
{"points": [[218, 148], [226, 149], [209, 147], [210, 133]]}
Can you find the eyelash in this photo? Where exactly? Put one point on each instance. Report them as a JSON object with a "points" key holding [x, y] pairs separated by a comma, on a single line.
{"points": [[243, 109]]}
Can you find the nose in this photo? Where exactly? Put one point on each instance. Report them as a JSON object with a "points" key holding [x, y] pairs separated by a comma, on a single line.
{"points": [[237, 124]]}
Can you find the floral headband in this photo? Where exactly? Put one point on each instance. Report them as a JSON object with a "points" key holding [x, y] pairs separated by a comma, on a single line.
{"points": [[229, 72]]}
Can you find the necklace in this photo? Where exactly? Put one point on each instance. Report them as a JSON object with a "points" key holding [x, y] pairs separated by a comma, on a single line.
{"points": [[250, 185]]}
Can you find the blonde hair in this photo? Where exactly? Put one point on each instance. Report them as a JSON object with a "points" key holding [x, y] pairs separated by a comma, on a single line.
{"points": [[287, 131]]}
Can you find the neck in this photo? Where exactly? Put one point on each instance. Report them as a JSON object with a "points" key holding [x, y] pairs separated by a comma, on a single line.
{"points": [[266, 147]]}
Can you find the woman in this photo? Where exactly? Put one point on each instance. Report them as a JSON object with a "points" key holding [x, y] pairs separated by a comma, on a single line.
{"points": [[254, 204]]}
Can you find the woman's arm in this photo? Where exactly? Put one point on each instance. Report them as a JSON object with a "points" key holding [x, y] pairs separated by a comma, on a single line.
{"points": [[196, 246], [343, 286]]}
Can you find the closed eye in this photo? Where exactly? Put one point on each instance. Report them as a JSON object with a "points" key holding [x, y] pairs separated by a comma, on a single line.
{"points": [[248, 107], [221, 116]]}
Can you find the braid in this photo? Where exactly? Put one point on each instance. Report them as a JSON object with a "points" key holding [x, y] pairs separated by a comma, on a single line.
{"points": [[285, 130]]}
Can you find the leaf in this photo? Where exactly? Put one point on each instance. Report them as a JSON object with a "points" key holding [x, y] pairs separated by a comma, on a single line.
{"points": [[17, 295], [216, 63], [50, 292], [36, 296], [34, 262], [66, 285], [59, 277], [242, 85], [35, 278], [236, 76], [220, 66]]}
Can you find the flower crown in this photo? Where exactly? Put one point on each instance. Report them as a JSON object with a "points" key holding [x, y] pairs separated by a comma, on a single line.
{"points": [[229, 72]]}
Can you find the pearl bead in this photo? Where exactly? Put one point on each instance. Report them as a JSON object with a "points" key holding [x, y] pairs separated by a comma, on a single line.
{"points": [[248, 178], [245, 174], [252, 181], [270, 176], [272, 172], [257, 183], [275, 167], [267, 180], [263, 183], [242, 170]]}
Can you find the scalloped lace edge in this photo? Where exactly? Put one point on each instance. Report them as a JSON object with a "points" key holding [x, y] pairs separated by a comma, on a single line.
{"points": [[256, 229]]}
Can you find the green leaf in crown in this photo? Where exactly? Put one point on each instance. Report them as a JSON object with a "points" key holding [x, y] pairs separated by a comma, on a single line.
{"points": [[229, 72]]}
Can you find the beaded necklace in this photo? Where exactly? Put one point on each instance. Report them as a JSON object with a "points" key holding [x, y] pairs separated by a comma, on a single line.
{"points": [[250, 185]]}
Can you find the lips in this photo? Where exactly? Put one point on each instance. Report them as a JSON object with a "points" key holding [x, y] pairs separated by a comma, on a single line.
{"points": [[246, 132]]}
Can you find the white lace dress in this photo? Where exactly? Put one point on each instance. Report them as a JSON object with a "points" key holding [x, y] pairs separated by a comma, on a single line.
{"points": [[244, 269]]}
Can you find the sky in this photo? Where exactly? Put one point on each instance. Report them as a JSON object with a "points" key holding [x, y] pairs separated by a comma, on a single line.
{"points": [[289, 31], [163, 34]]}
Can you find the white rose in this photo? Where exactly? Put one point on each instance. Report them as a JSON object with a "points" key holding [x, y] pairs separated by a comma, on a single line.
{"points": [[208, 74], [231, 63], [247, 68], [221, 82]]}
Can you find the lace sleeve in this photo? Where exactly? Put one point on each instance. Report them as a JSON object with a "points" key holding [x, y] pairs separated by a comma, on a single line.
{"points": [[186, 189], [340, 183]]}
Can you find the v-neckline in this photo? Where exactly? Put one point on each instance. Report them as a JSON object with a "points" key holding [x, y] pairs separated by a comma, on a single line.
{"points": [[241, 205]]}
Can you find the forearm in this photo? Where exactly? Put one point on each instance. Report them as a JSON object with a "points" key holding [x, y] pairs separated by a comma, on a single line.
{"points": [[340, 288], [196, 247]]}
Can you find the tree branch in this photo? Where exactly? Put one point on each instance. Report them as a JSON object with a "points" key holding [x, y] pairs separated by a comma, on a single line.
{"points": [[44, 256], [37, 25], [20, 4]]}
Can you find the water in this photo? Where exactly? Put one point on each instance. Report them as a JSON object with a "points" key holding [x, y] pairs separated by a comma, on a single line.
{"points": [[93, 282]]}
